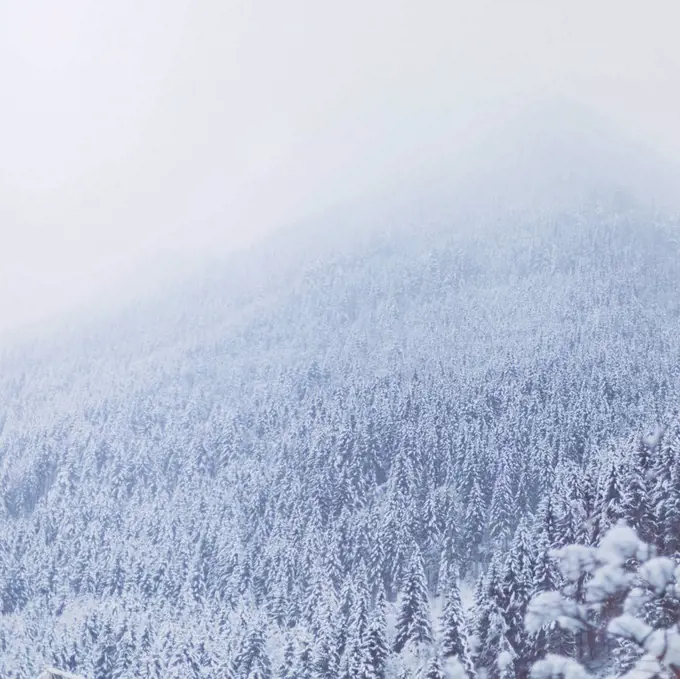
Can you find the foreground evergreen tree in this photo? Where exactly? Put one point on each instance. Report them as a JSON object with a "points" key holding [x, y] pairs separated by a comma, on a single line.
{"points": [[625, 577]]}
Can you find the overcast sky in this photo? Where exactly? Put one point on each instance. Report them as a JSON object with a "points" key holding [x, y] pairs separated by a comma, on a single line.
{"points": [[138, 129]]}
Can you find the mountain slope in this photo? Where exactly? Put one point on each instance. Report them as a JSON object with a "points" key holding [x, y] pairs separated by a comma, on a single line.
{"points": [[249, 460]]}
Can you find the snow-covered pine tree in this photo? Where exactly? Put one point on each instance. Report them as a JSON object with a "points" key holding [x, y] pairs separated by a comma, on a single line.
{"points": [[304, 665], [474, 520], [376, 644], [502, 508], [485, 607], [455, 638], [434, 668], [413, 623], [253, 660], [636, 498], [287, 666], [624, 577], [498, 645], [546, 577]]}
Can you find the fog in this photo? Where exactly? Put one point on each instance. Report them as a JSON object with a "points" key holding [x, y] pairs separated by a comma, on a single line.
{"points": [[133, 132]]}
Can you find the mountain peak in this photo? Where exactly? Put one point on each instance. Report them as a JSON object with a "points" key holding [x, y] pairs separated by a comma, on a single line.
{"points": [[559, 150]]}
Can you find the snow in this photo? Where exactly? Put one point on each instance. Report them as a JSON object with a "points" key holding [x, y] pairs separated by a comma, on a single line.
{"points": [[549, 607], [620, 544], [645, 668], [652, 440], [664, 645], [53, 673], [504, 660], [629, 627], [453, 669], [635, 601], [607, 581], [658, 573], [610, 565], [574, 560], [543, 609], [557, 666]]}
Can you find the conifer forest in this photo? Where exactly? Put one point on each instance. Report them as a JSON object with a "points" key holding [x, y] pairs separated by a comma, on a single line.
{"points": [[448, 450]]}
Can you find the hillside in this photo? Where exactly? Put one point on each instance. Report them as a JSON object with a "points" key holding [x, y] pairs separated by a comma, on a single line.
{"points": [[244, 476]]}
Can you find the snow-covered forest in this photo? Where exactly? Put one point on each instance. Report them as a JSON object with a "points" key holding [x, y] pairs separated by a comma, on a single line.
{"points": [[352, 464]]}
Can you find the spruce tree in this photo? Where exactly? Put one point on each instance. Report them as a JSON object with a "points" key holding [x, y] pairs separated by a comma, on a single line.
{"points": [[480, 611], [413, 623], [359, 614], [486, 615], [376, 644], [636, 508], [287, 667], [455, 636], [501, 514], [253, 661], [498, 646], [304, 666], [475, 512], [434, 668], [608, 510]]}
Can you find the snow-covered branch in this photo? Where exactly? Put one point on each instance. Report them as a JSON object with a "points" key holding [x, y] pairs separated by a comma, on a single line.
{"points": [[622, 565]]}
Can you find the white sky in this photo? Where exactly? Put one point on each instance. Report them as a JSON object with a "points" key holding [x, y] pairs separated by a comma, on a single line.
{"points": [[135, 129]]}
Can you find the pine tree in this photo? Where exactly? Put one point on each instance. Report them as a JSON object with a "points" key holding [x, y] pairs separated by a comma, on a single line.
{"points": [[512, 601], [431, 537], [105, 655], [184, 664], [125, 650], [434, 668], [546, 578], [607, 510], [376, 644], [455, 636], [505, 662], [636, 496], [355, 662], [571, 516], [545, 575], [413, 624], [359, 615], [475, 512], [501, 514], [326, 658], [518, 581], [287, 667], [484, 607], [253, 661], [488, 616], [665, 498], [499, 645], [304, 667], [344, 617]]}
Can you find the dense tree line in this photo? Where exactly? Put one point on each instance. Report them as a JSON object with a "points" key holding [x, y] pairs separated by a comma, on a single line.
{"points": [[307, 477]]}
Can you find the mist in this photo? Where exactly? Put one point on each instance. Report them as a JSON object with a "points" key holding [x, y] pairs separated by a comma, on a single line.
{"points": [[134, 134]]}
